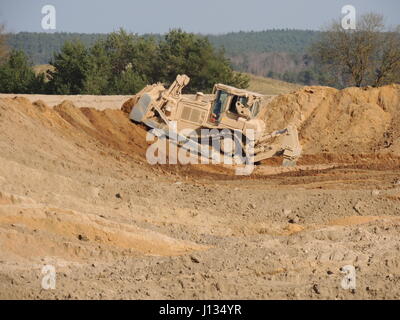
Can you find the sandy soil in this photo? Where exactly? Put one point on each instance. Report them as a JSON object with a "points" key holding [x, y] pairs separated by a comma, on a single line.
{"points": [[77, 193]]}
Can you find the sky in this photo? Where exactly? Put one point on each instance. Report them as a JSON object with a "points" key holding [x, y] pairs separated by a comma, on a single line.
{"points": [[199, 16]]}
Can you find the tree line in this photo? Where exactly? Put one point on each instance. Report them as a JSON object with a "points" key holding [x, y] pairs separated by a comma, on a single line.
{"points": [[41, 46], [122, 63], [288, 45]]}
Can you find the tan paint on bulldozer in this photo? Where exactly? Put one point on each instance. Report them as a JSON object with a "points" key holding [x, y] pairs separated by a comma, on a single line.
{"points": [[229, 108]]}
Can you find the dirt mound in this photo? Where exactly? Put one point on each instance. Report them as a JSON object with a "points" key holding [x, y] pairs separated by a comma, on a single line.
{"points": [[110, 128], [353, 120], [72, 115], [107, 128]]}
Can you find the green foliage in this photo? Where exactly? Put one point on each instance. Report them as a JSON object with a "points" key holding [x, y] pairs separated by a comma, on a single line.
{"points": [[185, 53], [40, 47], [72, 67], [17, 76], [123, 63], [112, 66], [276, 40], [126, 61], [244, 51], [127, 82]]}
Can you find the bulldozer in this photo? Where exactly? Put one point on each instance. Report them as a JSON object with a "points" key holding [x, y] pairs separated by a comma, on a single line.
{"points": [[231, 115]]}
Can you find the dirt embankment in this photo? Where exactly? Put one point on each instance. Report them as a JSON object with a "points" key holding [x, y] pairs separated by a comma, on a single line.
{"points": [[352, 121], [110, 128], [88, 101], [54, 163]]}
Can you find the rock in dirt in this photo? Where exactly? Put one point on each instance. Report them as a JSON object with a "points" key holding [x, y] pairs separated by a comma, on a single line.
{"points": [[82, 237], [358, 207], [194, 259], [316, 289]]}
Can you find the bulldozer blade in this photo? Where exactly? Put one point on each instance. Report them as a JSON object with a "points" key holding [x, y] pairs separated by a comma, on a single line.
{"points": [[140, 110]]}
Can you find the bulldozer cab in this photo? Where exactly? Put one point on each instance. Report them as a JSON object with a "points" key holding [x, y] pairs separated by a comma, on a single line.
{"points": [[232, 104]]}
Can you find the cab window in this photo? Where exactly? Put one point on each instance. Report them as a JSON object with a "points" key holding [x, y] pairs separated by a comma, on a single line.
{"points": [[255, 109], [219, 105]]}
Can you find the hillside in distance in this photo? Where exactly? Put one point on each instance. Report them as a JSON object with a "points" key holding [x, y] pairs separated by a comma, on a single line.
{"points": [[269, 86], [276, 40]]}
